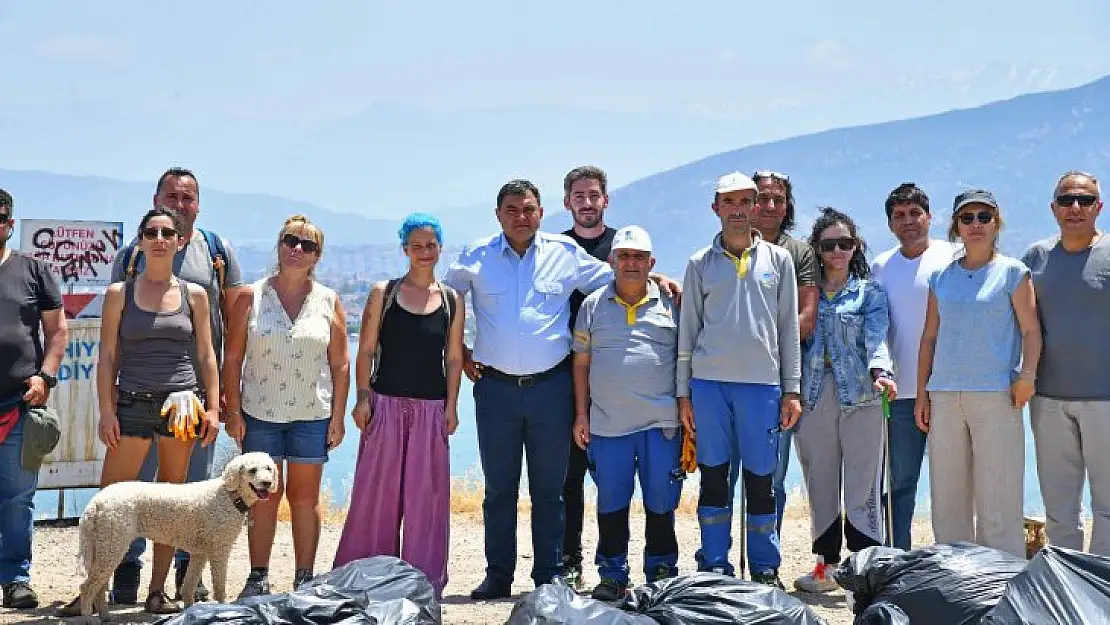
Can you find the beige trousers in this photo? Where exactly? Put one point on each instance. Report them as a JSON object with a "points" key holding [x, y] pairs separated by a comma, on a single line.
{"points": [[977, 469], [1073, 443]]}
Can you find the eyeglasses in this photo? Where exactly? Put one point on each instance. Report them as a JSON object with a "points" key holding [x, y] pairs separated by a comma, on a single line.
{"points": [[152, 233], [5, 218], [771, 174], [1069, 200], [984, 217], [846, 244], [291, 241]]}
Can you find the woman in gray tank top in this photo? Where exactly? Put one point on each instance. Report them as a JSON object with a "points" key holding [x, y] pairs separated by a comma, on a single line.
{"points": [[155, 340]]}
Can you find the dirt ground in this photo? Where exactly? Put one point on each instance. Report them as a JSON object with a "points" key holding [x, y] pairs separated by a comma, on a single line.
{"points": [[56, 580]]}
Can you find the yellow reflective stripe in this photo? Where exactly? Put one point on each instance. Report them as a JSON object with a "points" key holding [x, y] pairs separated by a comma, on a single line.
{"points": [[630, 309], [743, 263]]}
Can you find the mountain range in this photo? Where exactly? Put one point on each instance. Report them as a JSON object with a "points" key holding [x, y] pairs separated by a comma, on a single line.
{"points": [[1016, 147]]}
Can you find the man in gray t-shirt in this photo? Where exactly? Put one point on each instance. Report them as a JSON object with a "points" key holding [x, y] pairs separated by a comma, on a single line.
{"points": [[625, 353], [179, 191], [1070, 413]]}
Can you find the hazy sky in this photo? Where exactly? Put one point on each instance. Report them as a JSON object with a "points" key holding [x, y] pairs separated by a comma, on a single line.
{"points": [[257, 70]]}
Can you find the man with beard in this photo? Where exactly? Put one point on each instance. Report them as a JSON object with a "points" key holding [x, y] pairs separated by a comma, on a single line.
{"points": [[774, 218], [903, 272], [178, 190], [29, 300], [739, 376], [1070, 414], [585, 195]]}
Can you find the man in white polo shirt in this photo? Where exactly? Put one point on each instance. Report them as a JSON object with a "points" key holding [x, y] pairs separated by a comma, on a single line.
{"points": [[903, 272], [625, 352]]}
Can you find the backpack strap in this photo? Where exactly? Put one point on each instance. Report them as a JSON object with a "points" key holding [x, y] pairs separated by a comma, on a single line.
{"points": [[448, 295], [219, 259], [391, 289]]}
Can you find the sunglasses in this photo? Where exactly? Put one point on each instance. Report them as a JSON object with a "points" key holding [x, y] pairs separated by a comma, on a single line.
{"points": [[774, 175], [4, 218], [845, 245], [152, 233], [984, 217], [1066, 201], [291, 241]]}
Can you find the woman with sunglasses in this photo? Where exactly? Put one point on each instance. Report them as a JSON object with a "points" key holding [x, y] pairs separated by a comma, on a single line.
{"points": [[154, 341], [846, 366], [408, 371], [286, 375], [980, 326]]}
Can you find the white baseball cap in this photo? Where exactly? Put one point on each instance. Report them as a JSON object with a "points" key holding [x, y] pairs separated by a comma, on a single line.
{"points": [[632, 238], [735, 181]]}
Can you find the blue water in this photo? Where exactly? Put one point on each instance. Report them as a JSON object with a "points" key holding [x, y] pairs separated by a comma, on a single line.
{"points": [[339, 471]]}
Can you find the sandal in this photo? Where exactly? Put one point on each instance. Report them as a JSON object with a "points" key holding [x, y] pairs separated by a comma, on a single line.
{"points": [[71, 609], [158, 603]]}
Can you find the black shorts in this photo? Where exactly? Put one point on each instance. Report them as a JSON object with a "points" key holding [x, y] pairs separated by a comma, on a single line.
{"points": [[140, 414]]}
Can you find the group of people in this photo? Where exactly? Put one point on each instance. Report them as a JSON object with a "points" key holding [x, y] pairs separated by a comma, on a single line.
{"points": [[590, 362]]}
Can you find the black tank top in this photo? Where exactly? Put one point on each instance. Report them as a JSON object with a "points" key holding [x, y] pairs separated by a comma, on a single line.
{"points": [[412, 350]]}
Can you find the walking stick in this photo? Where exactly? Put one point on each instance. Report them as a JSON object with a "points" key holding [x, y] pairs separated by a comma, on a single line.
{"points": [[886, 471], [743, 528]]}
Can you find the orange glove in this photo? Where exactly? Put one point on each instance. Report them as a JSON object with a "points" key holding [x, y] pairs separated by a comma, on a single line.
{"points": [[689, 452]]}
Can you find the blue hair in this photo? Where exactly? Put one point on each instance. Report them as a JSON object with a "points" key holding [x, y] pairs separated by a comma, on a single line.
{"points": [[416, 221]]}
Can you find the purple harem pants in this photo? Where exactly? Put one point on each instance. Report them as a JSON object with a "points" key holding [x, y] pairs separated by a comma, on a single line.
{"points": [[403, 472]]}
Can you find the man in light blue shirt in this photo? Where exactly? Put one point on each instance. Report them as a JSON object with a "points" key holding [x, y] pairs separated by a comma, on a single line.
{"points": [[521, 281]]}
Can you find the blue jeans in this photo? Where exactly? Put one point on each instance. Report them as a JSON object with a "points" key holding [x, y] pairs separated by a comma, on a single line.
{"points": [[17, 509], [737, 426], [537, 420], [907, 449], [200, 469]]}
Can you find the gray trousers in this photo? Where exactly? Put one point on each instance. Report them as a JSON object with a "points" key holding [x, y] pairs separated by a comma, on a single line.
{"points": [[1073, 442], [841, 453], [977, 469]]}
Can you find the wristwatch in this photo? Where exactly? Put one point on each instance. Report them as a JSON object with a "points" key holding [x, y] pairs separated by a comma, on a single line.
{"points": [[51, 380]]}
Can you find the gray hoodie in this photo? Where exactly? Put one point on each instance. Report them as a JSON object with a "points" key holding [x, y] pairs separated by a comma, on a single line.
{"points": [[740, 329]]}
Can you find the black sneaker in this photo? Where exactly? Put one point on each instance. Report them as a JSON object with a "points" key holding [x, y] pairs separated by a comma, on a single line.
{"points": [[179, 576], [300, 577], [125, 584], [609, 590], [768, 578], [20, 596], [661, 572], [258, 584]]}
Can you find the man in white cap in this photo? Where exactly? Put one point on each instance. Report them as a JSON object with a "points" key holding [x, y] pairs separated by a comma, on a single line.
{"points": [[739, 376], [625, 353]]}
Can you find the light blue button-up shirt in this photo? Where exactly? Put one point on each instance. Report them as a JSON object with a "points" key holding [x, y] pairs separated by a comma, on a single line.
{"points": [[522, 303]]}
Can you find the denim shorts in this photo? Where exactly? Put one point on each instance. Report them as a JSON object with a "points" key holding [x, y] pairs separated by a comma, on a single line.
{"points": [[298, 442]]}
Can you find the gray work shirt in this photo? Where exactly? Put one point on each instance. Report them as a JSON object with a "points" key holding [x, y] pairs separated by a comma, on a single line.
{"points": [[194, 264], [1073, 302], [633, 349]]}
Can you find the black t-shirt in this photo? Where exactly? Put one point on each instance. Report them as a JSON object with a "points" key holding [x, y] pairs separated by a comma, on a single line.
{"points": [[599, 248], [26, 290]]}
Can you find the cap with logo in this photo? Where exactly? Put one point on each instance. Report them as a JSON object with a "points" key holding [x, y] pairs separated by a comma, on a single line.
{"points": [[632, 238], [974, 196], [735, 181]]}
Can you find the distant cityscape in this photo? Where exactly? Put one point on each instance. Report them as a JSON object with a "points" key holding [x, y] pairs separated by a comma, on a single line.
{"points": [[350, 270]]}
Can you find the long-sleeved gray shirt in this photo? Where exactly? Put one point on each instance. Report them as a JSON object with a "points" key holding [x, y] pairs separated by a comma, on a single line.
{"points": [[740, 328]]}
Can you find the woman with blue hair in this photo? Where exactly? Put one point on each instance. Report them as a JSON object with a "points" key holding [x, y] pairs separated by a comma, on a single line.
{"points": [[407, 372]]}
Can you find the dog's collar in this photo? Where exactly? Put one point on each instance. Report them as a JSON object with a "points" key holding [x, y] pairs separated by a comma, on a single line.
{"points": [[239, 503]]}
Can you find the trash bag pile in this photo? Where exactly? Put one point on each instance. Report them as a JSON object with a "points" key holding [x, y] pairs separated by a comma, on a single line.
{"points": [[382, 590], [702, 598], [966, 584]]}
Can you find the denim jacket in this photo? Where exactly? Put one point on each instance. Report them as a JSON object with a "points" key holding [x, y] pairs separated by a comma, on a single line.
{"points": [[853, 327]]}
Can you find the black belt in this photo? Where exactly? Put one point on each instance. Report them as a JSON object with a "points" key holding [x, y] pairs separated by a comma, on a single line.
{"points": [[524, 381]]}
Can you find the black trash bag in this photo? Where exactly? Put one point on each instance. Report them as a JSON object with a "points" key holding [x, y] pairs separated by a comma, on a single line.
{"points": [[711, 599], [382, 590], [558, 604], [1059, 586], [949, 584]]}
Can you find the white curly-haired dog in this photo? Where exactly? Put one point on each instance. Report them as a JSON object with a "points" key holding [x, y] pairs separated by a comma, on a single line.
{"points": [[202, 518]]}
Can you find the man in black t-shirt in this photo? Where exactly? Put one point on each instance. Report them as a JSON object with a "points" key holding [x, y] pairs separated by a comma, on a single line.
{"points": [[585, 195], [29, 298]]}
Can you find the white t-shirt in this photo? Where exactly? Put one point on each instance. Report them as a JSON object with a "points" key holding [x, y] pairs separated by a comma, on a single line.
{"points": [[906, 282]]}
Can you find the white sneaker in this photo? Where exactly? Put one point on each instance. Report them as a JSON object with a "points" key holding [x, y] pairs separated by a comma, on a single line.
{"points": [[817, 580]]}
